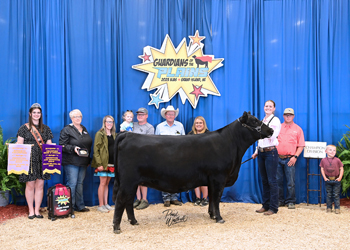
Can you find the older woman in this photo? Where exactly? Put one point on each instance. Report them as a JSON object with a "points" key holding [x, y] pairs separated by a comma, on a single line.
{"points": [[76, 149], [103, 160], [268, 161], [36, 133], [199, 127]]}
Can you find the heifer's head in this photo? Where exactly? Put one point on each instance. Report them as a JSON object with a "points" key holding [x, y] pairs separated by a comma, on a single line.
{"points": [[255, 125]]}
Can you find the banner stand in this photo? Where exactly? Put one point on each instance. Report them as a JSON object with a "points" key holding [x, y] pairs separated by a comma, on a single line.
{"points": [[314, 150]]}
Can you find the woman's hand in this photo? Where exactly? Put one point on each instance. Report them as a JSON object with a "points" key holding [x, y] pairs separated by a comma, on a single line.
{"points": [[254, 155], [100, 168], [76, 150]]}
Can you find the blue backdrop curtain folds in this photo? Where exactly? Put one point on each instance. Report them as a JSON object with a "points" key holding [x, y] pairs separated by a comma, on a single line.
{"points": [[78, 54]]}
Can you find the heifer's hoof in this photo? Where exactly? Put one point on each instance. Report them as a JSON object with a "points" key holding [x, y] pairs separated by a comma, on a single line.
{"points": [[213, 217], [220, 221], [134, 222], [116, 230]]}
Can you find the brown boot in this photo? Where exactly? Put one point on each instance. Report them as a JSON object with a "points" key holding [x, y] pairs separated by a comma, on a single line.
{"points": [[270, 212], [176, 202], [337, 211], [261, 210], [166, 203], [329, 210]]}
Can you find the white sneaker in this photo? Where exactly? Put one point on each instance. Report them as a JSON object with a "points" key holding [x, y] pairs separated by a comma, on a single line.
{"points": [[108, 207], [102, 209]]}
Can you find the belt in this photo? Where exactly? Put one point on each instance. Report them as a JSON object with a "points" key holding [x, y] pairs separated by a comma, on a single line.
{"points": [[266, 149], [332, 178], [285, 156]]}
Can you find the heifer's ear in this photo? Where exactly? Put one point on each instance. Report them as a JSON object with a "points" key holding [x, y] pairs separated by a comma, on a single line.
{"points": [[249, 113], [244, 117]]}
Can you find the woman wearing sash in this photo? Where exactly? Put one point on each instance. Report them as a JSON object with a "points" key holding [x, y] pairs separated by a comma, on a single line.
{"points": [[268, 161], [36, 133]]}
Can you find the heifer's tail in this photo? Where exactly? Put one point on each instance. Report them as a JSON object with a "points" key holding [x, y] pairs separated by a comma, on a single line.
{"points": [[118, 139]]}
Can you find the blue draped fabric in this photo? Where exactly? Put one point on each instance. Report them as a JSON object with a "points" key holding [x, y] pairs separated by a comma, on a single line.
{"points": [[78, 54]]}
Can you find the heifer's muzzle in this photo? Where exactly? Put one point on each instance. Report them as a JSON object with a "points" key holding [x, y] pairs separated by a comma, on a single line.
{"points": [[257, 128]]}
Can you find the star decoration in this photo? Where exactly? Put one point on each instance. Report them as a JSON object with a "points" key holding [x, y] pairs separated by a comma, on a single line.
{"points": [[146, 57], [62, 200], [197, 39], [155, 100], [196, 91]]}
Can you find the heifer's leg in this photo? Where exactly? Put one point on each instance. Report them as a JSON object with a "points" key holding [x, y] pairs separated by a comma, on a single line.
{"points": [[216, 187], [129, 206], [118, 211]]}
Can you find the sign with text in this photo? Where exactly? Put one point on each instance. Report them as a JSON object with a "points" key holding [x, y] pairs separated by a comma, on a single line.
{"points": [[52, 158], [315, 149], [19, 158], [184, 70]]}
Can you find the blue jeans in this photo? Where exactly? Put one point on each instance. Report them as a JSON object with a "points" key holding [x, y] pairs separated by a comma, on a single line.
{"points": [[169, 197], [268, 162], [333, 194], [75, 180], [289, 172]]}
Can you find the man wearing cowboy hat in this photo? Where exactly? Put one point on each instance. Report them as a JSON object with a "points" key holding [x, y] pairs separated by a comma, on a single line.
{"points": [[170, 127], [291, 143]]}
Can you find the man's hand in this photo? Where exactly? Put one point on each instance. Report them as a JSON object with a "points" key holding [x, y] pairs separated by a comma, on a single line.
{"points": [[292, 161]]}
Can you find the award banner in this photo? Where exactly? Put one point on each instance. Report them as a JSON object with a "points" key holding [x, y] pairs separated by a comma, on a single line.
{"points": [[52, 158], [19, 158]]}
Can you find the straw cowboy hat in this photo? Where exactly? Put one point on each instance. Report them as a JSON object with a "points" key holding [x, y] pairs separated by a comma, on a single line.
{"points": [[169, 108]]}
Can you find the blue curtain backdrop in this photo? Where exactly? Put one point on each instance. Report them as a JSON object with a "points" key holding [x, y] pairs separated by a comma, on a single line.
{"points": [[78, 54]]}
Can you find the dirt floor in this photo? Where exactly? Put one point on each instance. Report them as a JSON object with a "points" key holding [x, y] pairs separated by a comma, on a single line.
{"points": [[306, 227]]}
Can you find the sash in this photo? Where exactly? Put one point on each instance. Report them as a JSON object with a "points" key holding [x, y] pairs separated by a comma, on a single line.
{"points": [[36, 135]]}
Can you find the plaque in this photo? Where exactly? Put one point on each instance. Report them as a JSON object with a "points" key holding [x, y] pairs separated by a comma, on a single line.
{"points": [[83, 152]]}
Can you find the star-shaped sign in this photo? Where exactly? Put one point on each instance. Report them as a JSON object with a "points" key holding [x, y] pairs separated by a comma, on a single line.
{"points": [[197, 91], [197, 39], [146, 57], [155, 100], [179, 70]]}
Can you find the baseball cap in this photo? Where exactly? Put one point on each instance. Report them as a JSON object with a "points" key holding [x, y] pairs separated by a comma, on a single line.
{"points": [[288, 111], [142, 110]]}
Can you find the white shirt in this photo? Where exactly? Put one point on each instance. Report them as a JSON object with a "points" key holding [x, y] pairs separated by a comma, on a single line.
{"points": [[275, 124]]}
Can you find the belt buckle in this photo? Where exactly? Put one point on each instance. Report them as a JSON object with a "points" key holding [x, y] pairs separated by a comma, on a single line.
{"points": [[261, 149]]}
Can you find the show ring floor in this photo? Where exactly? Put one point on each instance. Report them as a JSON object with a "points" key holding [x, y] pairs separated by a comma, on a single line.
{"points": [[306, 227]]}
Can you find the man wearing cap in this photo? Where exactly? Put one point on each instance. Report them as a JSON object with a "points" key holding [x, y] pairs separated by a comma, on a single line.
{"points": [[170, 127], [291, 144], [142, 127]]}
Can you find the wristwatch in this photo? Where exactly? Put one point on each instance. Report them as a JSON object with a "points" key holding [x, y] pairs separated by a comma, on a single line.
{"points": [[296, 157]]}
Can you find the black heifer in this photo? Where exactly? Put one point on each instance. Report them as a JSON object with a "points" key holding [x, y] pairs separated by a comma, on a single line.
{"points": [[178, 163]]}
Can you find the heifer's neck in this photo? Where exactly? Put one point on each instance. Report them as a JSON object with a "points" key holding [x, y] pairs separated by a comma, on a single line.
{"points": [[243, 136]]}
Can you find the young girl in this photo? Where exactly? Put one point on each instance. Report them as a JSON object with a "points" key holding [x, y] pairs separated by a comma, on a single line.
{"points": [[127, 125], [103, 160]]}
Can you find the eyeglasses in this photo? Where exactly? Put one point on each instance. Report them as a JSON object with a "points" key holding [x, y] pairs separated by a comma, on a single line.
{"points": [[140, 114], [170, 114], [77, 116], [109, 122], [288, 115]]}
